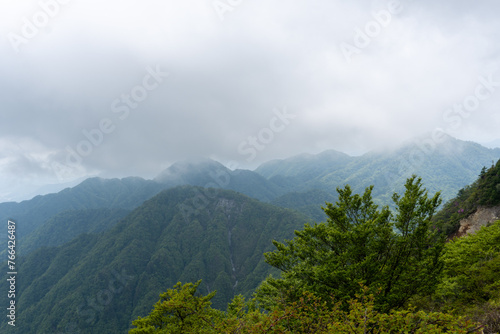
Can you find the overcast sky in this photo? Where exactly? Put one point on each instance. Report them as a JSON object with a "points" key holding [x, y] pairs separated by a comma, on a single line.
{"points": [[127, 87]]}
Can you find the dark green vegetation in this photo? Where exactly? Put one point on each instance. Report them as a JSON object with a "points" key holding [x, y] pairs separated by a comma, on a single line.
{"points": [[66, 226], [485, 191], [303, 183], [99, 283], [358, 273], [92, 267], [95, 193], [445, 167], [182, 310], [395, 254]]}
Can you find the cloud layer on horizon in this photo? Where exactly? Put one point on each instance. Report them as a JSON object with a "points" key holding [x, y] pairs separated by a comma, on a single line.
{"points": [[404, 74]]}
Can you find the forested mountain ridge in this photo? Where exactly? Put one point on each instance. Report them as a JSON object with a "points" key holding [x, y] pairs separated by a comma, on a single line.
{"points": [[126, 194], [483, 192], [303, 182], [446, 166], [98, 283], [420, 282], [67, 225], [101, 282], [93, 193]]}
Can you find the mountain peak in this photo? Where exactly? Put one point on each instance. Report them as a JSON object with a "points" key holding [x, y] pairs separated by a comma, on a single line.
{"points": [[190, 171]]}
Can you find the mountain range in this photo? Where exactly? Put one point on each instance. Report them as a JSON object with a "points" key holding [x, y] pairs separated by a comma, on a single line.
{"points": [[100, 282], [96, 256]]}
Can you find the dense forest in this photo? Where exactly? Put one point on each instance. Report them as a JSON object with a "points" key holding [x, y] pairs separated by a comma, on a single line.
{"points": [[365, 270], [99, 282], [376, 258], [484, 192]]}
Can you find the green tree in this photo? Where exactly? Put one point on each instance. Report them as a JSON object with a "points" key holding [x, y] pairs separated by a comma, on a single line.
{"points": [[309, 314], [396, 255], [179, 310], [472, 269]]}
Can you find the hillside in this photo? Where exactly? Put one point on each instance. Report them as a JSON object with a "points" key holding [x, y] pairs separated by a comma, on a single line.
{"points": [[449, 166], [82, 242], [98, 283], [67, 225], [94, 193], [302, 183], [483, 193]]}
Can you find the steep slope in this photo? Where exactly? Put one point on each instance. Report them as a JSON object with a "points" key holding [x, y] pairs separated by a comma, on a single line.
{"points": [[472, 203], [67, 225], [100, 283], [127, 193], [483, 216], [93, 193]]}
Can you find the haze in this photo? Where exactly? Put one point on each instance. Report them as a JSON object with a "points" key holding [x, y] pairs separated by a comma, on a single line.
{"points": [[120, 88]]}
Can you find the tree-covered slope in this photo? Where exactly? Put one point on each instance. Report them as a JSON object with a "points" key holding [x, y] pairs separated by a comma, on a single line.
{"points": [[93, 193], [99, 283], [446, 166], [67, 225], [484, 192]]}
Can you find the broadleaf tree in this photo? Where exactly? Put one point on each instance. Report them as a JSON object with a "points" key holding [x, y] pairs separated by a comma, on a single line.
{"points": [[395, 254]]}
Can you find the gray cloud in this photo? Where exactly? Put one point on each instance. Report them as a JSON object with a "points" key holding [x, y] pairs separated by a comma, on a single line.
{"points": [[227, 77]]}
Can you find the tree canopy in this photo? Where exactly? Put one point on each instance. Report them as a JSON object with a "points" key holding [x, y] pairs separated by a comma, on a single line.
{"points": [[181, 310], [396, 255], [354, 273]]}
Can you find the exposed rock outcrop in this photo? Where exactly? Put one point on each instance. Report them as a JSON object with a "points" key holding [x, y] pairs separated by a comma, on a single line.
{"points": [[482, 217]]}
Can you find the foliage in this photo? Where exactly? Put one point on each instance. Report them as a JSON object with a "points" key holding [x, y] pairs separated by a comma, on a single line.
{"points": [[93, 193], [180, 311], [472, 267], [395, 254], [221, 240], [470, 284], [485, 191], [68, 225]]}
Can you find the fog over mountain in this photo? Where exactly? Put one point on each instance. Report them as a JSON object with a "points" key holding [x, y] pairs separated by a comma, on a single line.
{"points": [[121, 88]]}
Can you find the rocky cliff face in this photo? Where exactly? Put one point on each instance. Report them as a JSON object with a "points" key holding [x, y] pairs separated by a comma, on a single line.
{"points": [[482, 217]]}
